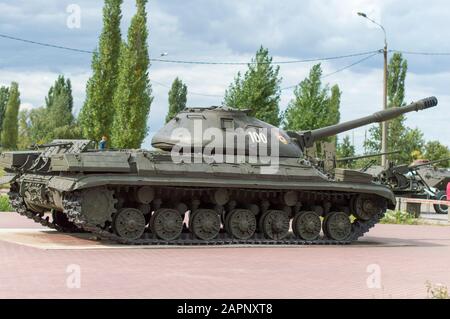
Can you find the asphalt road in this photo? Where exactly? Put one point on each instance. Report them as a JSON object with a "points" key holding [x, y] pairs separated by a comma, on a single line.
{"points": [[391, 262]]}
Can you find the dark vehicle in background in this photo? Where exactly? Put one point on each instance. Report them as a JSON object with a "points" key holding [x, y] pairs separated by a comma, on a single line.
{"points": [[419, 180]]}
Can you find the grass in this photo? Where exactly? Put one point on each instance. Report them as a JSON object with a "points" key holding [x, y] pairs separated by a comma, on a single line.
{"points": [[399, 218], [436, 291], [5, 206]]}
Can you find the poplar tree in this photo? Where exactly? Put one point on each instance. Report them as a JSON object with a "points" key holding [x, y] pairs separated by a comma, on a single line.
{"points": [[177, 98], [59, 104], [133, 98], [4, 95], [97, 114], [400, 137], [258, 90], [10, 131]]}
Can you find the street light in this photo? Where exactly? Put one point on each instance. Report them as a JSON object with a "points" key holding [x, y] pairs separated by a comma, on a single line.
{"points": [[384, 125]]}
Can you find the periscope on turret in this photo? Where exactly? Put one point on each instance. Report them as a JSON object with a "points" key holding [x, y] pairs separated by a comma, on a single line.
{"points": [[214, 166]]}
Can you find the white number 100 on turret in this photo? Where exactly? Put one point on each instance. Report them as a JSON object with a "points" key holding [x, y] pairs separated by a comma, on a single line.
{"points": [[258, 137]]}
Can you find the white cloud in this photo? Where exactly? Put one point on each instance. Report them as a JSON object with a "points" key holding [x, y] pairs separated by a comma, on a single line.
{"points": [[232, 31], [34, 85]]}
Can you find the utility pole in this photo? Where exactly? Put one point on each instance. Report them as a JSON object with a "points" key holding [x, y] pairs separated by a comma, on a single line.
{"points": [[384, 125]]}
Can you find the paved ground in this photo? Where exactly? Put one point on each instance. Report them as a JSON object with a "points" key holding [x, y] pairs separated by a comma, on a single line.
{"points": [[397, 259]]}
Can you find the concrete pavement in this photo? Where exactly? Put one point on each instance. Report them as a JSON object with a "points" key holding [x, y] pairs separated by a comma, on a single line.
{"points": [[391, 262]]}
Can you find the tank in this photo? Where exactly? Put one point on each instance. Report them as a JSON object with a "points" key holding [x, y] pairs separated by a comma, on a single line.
{"points": [[419, 180], [219, 177]]}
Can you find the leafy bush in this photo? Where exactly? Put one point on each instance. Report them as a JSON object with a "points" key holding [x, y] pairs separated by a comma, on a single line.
{"points": [[5, 206], [399, 217]]}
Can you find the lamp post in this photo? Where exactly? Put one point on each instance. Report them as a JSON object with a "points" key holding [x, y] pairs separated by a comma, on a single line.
{"points": [[384, 125]]}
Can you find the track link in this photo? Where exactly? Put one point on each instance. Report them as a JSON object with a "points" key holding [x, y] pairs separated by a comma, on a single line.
{"points": [[72, 205], [21, 208]]}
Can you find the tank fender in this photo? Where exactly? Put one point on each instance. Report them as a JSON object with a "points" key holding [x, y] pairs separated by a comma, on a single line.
{"points": [[62, 184], [66, 184]]}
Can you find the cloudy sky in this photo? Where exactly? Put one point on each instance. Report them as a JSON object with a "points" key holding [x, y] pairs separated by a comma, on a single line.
{"points": [[231, 31]]}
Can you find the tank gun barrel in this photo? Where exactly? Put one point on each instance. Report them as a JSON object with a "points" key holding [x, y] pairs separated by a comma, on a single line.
{"points": [[307, 138], [354, 158], [430, 163]]}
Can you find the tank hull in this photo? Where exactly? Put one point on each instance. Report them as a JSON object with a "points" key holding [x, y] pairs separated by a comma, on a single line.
{"points": [[233, 196]]}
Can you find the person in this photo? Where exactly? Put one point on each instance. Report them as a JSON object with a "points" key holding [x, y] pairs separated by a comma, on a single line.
{"points": [[448, 191], [102, 143]]}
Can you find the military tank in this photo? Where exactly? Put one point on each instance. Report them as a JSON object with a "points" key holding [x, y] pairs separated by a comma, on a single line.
{"points": [[219, 177]]}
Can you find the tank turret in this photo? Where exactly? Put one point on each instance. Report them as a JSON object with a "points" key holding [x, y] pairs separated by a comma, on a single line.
{"points": [[234, 131]]}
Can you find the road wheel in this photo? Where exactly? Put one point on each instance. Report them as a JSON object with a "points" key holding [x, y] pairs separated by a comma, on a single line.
{"points": [[167, 224], [337, 226], [129, 223], [307, 225], [241, 224], [275, 225], [441, 209], [205, 224]]}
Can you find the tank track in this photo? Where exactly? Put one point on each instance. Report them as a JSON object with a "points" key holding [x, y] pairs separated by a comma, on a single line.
{"points": [[72, 204], [20, 207]]}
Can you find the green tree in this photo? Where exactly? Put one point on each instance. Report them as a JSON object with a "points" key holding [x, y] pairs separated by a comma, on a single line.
{"points": [[38, 128], [345, 149], [59, 104], [434, 151], [133, 98], [97, 114], [10, 130], [258, 90], [52, 121], [314, 105], [62, 87], [400, 138], [24, 130], [4, 95], [177, 98]]}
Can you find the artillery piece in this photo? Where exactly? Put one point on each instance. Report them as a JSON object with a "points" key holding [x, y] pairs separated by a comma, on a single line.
{"points": [[408, 181], [220, 177]]}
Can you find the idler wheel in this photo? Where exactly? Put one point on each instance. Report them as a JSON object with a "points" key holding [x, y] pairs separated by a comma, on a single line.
{"points": [[129, 223], [167, 224], [307, 225], [275, 224], [337, 226], [205, 224], [241, 224]]}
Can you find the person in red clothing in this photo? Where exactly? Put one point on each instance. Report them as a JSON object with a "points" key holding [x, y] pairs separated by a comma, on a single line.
{"points": [[448, 191]]}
